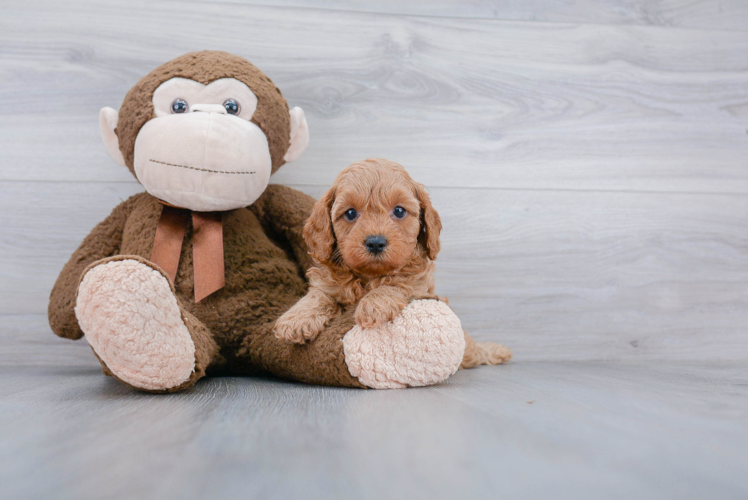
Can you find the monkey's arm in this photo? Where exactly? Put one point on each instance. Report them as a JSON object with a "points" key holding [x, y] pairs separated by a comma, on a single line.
{"points": [[285, 210], [104, 241]]}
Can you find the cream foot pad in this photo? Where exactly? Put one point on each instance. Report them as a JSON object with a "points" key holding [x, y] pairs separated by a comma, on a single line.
{"points": [[422, 346], [131, 319]]}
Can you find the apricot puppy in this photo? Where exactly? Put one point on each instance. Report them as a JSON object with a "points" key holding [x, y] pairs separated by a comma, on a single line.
{"points": [[373, 236]]}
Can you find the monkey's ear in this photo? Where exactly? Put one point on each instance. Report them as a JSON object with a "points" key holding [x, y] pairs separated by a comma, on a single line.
{"points": [[299, 135], [108, 122]]}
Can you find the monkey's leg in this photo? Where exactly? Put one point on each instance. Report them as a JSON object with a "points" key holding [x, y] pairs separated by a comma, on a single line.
{"points": [[129, 314], [321, 361], [423, 345]]}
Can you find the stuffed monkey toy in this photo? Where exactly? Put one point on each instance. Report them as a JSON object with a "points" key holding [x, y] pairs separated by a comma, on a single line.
{"points": [[187, 278]]}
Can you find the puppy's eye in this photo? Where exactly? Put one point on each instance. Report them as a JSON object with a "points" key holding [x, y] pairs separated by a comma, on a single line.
{"points": [[399, 212], [350, 214], [232, 107], [179, 106]]}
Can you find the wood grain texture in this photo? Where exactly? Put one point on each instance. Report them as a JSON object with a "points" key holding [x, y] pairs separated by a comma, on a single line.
{"points": [[702, 14], [553, 274], [590, 163], [591, 177], [465, 103], [524, 430]]}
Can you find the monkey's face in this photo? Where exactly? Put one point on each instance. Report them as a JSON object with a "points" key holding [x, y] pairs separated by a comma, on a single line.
{"points": [[204, 131], [201, 151]]}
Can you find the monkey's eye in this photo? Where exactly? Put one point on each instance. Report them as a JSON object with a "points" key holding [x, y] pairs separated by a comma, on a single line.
{"points": [[179, 106], [399, 212], [232, 107], [350, 214]]}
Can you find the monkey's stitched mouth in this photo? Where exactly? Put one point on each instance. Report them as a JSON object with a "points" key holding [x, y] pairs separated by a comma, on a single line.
{"points": [[200, 169]]}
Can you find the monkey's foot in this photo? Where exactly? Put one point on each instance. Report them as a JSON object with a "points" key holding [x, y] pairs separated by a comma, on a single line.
{"points": [[131, 318], [423, 345]]}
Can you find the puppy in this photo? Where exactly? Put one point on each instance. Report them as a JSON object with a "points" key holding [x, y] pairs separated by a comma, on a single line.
{"points": [[374, 236]]}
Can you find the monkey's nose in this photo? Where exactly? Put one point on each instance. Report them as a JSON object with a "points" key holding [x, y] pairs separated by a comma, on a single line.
{"points": [[375, 244], [208, 108]]}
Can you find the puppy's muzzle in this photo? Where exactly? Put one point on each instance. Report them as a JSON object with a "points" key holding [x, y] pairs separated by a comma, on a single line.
{"points": [[375, 244]]}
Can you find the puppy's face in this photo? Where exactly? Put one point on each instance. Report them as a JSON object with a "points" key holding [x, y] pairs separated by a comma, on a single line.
{"points": [[373, 220], [376, 221]]}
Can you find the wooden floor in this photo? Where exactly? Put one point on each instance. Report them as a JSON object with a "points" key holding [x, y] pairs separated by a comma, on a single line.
{"points": [[527, 430], [592, 178], [589, 160]]}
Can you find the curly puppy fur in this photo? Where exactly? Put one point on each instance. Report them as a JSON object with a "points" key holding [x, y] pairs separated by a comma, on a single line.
{"points": [[375, 198]]}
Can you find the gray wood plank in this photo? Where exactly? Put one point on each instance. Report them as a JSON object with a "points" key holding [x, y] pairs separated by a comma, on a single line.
{"points": [[553, 274], [524, 430], [459, 102], [703, 14], [591, 179], [26, 340]]}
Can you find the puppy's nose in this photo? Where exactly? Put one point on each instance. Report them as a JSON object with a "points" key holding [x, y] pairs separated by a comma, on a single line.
{"points": [[375, 244]]}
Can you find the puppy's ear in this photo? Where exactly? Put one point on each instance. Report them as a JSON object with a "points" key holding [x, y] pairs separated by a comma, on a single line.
{"points": [[318, 233], [431, 224]]}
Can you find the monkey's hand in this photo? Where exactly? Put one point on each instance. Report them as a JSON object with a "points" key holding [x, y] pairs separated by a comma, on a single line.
{"points": [[305, 320], [380, 306]]}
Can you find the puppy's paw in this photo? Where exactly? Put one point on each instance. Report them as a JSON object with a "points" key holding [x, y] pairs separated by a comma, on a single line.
{"points": [[373, 311], [299, 326]]}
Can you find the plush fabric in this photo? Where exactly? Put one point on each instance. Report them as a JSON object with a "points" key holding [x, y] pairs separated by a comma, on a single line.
{"points": [[228, 169], [422, 346], [214, 94], [146, 328], [107, 123], [265, 261], [299, 135], [272, 114], [131, 319]]}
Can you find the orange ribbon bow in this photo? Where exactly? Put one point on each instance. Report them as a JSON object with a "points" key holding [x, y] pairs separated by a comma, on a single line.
{"points": [[207, 247]]}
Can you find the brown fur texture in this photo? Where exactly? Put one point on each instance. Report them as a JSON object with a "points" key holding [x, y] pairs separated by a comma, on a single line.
{"points": [[265, 254], [206, 349], [206, 67], [265, 259], [348, 276]]}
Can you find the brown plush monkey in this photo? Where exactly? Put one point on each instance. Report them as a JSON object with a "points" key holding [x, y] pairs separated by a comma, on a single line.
{"points": [[188, 277]]}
